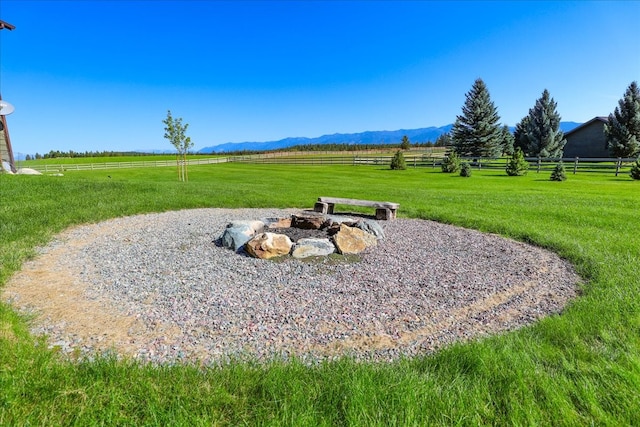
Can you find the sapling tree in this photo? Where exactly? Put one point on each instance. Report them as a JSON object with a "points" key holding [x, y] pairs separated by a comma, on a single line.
{"points": [[398, 162], [451, 163], [175, 132], [465, 170], [517, 165], [558, 173]]}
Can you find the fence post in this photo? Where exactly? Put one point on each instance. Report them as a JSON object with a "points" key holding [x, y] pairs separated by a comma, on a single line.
{"points": [[414, 162], [618, 165], [575, 165], [539, 164]]}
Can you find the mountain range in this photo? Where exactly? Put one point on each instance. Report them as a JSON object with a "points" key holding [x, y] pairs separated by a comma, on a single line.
{"points": [[422, 135]]}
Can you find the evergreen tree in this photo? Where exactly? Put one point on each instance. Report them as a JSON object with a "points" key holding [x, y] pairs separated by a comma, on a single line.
{"points": [[507, 141], [465, 170], [405, 145], [451, 163], [539, 134], [517, 165], [558, 173], [398, 162], [635, 170], [477, 132], [175, 132], [443, 140], [622, 130]]}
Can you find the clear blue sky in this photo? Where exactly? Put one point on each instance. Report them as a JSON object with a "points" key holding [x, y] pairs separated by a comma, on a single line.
{"points": [[101, 75]]}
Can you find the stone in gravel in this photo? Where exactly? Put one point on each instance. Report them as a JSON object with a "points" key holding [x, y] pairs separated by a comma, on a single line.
{"points": [[352, 240], [308, 222], [280, 222], [238, 233], [305, 248], [371, 227], [269, 245]]}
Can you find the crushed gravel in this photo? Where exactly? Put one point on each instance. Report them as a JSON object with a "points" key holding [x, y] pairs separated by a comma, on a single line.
{"points": [[159, 289]]}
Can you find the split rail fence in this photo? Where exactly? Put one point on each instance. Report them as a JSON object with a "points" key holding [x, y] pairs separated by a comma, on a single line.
{"points": [[415, 160]]}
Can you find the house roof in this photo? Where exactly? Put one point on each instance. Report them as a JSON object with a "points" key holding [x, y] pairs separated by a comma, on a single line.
{"points": [[602, 119], [6, 25]]}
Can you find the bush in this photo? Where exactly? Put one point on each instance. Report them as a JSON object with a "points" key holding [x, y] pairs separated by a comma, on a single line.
{"points": [[465, 170], [398, 163], [517, 165], [635, 170], [558, 173], [451, 163]]}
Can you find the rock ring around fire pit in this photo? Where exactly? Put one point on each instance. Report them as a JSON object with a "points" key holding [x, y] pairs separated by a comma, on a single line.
{"points": [[302, 236]]}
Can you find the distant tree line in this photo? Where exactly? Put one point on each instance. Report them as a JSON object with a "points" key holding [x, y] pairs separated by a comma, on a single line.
{"points": [[57, 154]]}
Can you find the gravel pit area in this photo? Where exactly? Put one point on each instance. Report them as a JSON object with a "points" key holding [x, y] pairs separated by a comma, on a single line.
{"points": [[159, 289]]}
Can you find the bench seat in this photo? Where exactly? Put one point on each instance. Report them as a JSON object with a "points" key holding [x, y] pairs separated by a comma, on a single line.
{"points": [[384, 210]]}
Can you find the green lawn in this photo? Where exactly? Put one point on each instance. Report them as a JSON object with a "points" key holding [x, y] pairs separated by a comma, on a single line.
{"points": [[580, 368]]}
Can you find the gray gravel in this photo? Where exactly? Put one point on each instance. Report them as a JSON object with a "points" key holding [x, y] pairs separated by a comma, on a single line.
{"points": [[426, 285]]}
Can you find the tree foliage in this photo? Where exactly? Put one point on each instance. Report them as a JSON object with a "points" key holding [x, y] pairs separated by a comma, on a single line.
{"points": [[507, 141], [538, 134], [622, 130], [175, 132], [476, 132], [451, 163], [517, 165], [443, 140], [398, 162]]}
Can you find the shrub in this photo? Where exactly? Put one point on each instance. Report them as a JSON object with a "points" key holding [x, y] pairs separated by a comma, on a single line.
{"points": [[635, 170], [517, 165], [465, 170], [558, 173], [451, 163], [398, 163]]}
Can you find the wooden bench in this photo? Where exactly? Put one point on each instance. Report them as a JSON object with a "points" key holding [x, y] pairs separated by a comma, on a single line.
{"points": [[384, 210]]}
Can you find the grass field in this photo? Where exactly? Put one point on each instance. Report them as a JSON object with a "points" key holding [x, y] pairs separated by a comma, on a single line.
{"points": [[580, 368]]}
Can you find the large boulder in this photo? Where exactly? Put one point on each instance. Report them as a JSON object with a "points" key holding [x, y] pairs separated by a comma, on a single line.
{"points": [[308, 221], [238, 233], [371, 227], [352, 240], [305, 248], [268, 245]]}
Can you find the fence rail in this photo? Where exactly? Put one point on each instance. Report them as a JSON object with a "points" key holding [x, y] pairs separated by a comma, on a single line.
{"points": [[413, 160], [49, 168]]}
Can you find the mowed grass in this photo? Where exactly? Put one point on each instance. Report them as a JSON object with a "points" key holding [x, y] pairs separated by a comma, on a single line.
{"points": [[579, 368]]}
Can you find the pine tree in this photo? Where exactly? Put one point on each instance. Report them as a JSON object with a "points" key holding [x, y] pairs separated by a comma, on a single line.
{"points": [[635, 170], [517, 165], [405, 145], [451, 163], [443, 140], [398, 162], [477, 132], [507, 141], [465, 170], [622, 130], [558, 173], [539, 134]]}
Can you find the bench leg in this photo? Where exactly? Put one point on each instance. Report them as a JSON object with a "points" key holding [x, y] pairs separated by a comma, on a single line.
{"points": [[321, 207], [385, 213]]}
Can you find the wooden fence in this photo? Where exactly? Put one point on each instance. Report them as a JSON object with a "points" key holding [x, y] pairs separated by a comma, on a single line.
{"points": [[413, 159]]}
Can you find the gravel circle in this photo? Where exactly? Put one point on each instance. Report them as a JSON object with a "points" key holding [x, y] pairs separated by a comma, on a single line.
{"points": [[158, 288]]}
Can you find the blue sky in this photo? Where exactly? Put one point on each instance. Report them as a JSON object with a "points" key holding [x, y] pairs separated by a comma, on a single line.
{"points": [[101, 75]]}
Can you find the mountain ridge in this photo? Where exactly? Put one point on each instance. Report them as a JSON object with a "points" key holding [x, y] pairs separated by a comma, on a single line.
{"points": [[420, 135]]}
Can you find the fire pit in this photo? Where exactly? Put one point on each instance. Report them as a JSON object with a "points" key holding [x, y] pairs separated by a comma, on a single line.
{"points": [[302, 236]]}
